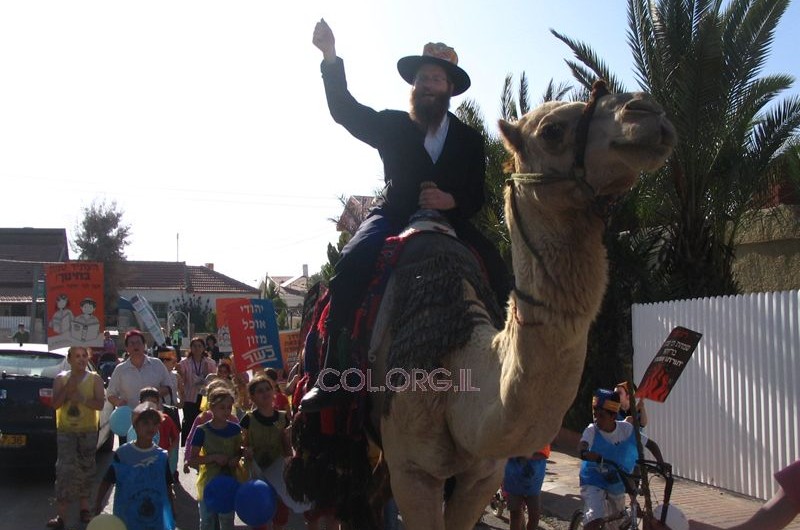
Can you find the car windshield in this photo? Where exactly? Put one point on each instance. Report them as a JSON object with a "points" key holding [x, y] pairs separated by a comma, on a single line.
{"points": [[40, 364]]}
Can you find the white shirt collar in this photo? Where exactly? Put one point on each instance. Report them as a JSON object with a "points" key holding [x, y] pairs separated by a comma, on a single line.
{"points": [[434, 141]]}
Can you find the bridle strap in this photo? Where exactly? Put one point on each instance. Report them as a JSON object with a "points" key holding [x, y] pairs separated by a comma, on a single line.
{"points": [[599, 90], [577, 174]]}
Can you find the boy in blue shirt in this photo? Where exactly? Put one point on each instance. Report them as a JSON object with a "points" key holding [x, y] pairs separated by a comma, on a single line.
{"points": [[143, 497], [607, 439]]}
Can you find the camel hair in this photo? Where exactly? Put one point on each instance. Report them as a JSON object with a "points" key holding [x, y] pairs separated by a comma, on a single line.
{"points": [[524, 376]]}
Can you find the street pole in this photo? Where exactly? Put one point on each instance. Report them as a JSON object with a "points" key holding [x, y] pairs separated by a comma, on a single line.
{"points": [[37, 271]]}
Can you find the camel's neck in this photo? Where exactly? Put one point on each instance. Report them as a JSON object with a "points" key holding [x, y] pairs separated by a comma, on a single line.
{"points": [[559, 261], [543, 346]]}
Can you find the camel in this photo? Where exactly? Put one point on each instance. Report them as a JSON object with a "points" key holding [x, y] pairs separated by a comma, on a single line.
{"points": [[525, 375]]}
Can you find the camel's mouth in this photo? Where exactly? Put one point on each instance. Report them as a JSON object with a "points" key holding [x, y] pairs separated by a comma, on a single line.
{"points": [[648, 139]]}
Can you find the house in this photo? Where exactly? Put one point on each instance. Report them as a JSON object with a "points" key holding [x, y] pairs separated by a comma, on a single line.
{"points": [[356, 209], [23, 254], [292, 290], [164, 284]]}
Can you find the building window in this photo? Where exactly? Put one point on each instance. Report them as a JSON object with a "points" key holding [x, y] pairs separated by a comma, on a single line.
{"points": [[160, 309]]}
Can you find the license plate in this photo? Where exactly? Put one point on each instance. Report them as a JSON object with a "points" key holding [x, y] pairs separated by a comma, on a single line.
{"points": [[13, 440]]}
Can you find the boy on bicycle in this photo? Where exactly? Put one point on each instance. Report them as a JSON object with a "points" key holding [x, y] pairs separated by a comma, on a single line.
{"points": [[607, 439]]}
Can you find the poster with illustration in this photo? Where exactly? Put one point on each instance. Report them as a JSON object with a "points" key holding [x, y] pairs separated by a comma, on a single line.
{"points": [[75, 311], [249, 328]]}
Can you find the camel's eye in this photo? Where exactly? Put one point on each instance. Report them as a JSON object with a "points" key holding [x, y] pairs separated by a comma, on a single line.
{"points": [[551, 132]]}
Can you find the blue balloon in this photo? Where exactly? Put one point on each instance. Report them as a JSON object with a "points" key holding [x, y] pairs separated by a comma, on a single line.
{"points": [[220, 494], [256, 502], [120, 420]]}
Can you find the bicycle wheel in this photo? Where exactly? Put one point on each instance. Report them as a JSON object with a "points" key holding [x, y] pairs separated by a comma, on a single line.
{"points": [[631, 518], [576, 523], [497, 507]]}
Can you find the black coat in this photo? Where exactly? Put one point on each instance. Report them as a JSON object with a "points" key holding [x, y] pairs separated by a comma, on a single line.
{"points": [[460, 169]]}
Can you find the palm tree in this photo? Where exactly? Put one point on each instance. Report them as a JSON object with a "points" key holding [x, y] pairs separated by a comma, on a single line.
{"points": [[673, 237], [702, 62], [491, 219], [270, 290]]}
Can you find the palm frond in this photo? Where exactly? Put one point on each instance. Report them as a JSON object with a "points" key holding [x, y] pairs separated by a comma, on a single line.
{"points": [[595, 67], [508, 109], [523, 98], [750, 40], [555, 92], [772, 134], [470, 113]]}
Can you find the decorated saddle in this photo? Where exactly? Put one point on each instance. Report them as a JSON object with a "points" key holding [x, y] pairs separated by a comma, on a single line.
{"points": [[431, 317]]}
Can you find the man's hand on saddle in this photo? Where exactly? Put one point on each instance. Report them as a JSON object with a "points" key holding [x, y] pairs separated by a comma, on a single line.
{"points": [[431, 197], [324, 40]]}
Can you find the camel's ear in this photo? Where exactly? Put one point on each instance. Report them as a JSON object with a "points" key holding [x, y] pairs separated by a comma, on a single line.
{"points": [[512, 136]]}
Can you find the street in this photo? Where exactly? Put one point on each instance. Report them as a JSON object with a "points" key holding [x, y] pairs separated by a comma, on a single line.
{"points": [[28, 502]]}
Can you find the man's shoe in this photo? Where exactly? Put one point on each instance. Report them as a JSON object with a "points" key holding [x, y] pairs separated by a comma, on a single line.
{"points": [[316, 399]]}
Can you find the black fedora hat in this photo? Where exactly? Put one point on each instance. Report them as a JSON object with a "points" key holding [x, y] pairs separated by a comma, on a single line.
{"points": [[439, 54]]}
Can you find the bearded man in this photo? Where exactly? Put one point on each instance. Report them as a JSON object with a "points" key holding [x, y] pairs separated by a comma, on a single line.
{"points": [[430, 159]]}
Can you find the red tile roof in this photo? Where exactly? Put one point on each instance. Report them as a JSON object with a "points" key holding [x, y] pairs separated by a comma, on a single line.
{"points": [[154, 275], [203, 279], [21, 251], [177, 275]]}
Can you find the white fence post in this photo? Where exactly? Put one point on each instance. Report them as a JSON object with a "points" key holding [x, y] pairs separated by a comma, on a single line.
{"points": [[732, 419]]}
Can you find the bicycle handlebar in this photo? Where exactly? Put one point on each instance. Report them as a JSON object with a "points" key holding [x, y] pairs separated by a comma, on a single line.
{"points": [[664, 469]]}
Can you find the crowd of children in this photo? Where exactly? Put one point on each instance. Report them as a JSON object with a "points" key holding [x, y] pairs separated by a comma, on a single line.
{"points": [[241, 429]]}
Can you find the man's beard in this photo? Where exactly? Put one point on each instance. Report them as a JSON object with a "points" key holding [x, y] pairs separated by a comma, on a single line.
{"points": [[429, 113]]}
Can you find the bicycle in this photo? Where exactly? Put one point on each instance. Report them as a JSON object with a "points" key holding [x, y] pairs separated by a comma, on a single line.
{"points": [[629, 518], [498, 503]]}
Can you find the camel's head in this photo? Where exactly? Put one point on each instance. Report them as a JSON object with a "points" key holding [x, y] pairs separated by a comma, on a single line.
{"points": [[627, 134]]}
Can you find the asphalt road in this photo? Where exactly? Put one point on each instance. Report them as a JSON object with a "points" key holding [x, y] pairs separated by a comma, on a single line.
{"points": [[27, 502]]}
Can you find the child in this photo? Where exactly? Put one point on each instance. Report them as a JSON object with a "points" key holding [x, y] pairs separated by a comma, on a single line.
{"points": [[265, 434], [625, 413], [168, 433], [607, 439], [143, 497], [203, 417], [243, 403], [216, 449], [281, 401], [523, 481], [224, 372]]}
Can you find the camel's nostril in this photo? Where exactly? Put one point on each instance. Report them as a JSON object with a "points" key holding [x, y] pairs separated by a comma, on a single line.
{"points": [[643, 105]]}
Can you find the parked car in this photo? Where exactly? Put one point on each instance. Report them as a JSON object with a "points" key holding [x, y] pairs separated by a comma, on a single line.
{"points": [[27, 419]]}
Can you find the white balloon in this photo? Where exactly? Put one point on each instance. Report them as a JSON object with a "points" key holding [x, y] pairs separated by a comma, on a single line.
{"points": [[676, 520]]}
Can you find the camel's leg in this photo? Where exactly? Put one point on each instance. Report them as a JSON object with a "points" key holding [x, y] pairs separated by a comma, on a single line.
{"points": [[473, 491], [419, 497]]}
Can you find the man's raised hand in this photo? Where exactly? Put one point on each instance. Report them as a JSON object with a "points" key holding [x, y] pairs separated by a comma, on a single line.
{"points": [[324, 40]]}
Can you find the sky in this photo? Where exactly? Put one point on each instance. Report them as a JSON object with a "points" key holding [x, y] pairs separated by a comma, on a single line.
{"points": [[206, 122]]}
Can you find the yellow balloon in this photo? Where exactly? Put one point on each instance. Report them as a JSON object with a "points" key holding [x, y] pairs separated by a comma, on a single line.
{"points": [[106, 521]]}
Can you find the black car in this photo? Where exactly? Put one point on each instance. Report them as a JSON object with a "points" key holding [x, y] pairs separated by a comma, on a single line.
{"points": [[27, 420]]}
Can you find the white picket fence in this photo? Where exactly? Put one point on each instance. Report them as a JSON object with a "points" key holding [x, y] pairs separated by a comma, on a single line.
{"points": [[732, 418]]}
